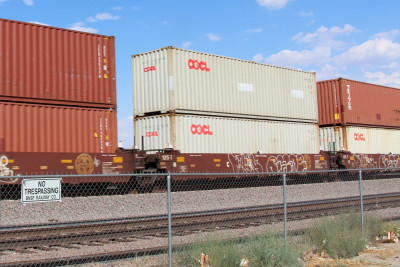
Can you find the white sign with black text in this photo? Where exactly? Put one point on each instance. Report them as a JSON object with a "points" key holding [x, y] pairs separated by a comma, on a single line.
{"points": [[41, 190]]}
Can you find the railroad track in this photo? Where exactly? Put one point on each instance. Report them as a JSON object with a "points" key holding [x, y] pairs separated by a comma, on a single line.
{"points": [[45, 237]]}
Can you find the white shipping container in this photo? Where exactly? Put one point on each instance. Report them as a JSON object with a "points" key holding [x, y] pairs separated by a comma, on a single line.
{"points": [[210, 134], [173, 79], [360, 140]]}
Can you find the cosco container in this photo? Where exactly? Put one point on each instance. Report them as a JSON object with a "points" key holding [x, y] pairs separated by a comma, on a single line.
{"points": [[210, 134], [183, 81], [46, 128], [346, 102], [43, 64], [360, 139]]}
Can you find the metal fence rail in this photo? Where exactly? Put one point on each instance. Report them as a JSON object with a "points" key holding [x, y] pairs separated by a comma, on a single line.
{"points": [[49, 222]]}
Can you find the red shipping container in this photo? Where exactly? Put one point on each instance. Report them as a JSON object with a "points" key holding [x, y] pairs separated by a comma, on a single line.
{"points": [[47, 128], [44, 64], [347, 102]]}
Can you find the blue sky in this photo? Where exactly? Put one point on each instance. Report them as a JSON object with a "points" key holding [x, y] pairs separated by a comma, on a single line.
{"points": [[354, 39]]}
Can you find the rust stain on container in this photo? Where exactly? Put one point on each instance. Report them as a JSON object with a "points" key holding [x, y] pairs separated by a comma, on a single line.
{"points": [[347, 102], [43, 64], [47, 128]]}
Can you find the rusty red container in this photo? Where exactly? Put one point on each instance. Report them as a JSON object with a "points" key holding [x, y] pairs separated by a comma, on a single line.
{"points": [[45, 64], [48, 128], [347, 102]]}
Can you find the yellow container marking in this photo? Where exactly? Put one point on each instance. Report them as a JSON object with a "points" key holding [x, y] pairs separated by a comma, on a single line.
{"points": [[218, 165], [15, 167], [120, 167], [162, 163], [217, 160], [351, 158], [249, 159], [192, 165], [337, 116], [66, 161], [118, 159], [272, 160], [10, 161], [70, 167], [180, 159], [43, 167], [321, 158]]}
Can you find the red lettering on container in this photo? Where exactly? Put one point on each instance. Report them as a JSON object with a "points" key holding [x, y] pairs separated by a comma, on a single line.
{"points": [[150, 134], [198, 65], [359, 137], [200, 129], [147, 69]]}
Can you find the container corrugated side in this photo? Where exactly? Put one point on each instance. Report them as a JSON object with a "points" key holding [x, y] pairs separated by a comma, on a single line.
{"points": [[347, 102], [210, 134], [361, 139], [172, 79], [46, 128], [42, 64]]}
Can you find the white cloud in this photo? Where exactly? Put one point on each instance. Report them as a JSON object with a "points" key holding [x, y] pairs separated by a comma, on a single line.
{"points": [[125, 131], [392, 79], [257, 30], [324, 36], [390, 35], [213, 37], [102, 16], [258, 58], [329, 71], [106, 16], [117, 8], [306, 14], [292, 59], [40, 23], [79, 26], [273, 4], [373, 52], [187, 44], [28, 2], [91, 19]]}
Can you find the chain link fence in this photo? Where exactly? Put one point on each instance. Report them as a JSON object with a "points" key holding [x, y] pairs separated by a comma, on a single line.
{"points": [[178, 219]]}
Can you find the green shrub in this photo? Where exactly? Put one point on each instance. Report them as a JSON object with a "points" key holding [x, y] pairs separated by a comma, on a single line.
{"points": [[342, 236], [221, 254], [270, 250]]}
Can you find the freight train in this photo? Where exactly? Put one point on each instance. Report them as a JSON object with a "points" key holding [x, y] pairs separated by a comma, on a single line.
{"points": [[217, 114]]}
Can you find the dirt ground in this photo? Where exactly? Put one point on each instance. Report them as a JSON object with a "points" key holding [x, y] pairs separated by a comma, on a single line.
{"points": [[381, 254]]}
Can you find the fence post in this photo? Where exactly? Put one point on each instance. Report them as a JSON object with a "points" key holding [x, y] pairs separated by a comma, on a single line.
{"points": [[361, 201], [169, 220], [284, 207]]}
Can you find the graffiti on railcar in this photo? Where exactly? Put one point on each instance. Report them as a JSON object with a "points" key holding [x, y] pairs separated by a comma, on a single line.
{"points": [[365, 161], [389, 161], [244, 163], [288, 163], [4, 170]]}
